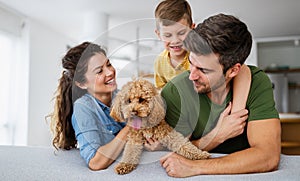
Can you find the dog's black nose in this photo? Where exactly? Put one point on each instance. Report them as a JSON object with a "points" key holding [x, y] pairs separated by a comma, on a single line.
{"points": [[141, 100]]}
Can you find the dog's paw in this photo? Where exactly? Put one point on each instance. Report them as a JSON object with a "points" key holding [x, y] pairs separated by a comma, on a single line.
{"points": [[192, 152], [124, 168], [201, 155]]}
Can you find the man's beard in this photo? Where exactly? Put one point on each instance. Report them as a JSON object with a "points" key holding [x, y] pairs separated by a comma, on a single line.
{"points": [[208, 89]]}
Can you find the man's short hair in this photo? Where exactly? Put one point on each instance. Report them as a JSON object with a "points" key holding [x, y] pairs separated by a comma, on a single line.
{"points": [[224, 35]]}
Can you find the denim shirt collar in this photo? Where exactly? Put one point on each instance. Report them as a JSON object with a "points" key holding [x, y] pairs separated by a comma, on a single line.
{"points": [[102, 105]]}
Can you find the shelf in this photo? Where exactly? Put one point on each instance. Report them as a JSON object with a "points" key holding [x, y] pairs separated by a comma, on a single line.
{"points": [[290, 144], [294, 86], [293, 70], [290, 115], [292, 119]]}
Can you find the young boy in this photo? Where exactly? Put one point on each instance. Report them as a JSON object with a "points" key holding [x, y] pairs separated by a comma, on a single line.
{"points": [[173, 22]]}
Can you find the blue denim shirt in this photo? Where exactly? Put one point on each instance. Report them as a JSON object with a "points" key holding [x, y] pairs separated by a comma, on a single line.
{"points": [[93, 125]]}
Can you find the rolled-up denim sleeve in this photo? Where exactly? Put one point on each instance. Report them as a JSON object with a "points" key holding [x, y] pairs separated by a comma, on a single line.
{"points": [[89, 130]]}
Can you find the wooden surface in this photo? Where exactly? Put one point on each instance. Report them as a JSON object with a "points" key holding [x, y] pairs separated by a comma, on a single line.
{"points": [[290, 136]]}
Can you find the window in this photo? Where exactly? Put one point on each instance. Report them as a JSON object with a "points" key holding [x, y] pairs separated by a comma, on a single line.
{"points": [[14, 64]]}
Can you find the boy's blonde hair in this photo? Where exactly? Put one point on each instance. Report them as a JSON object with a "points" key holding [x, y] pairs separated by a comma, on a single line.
{"points": [[168, 12]]}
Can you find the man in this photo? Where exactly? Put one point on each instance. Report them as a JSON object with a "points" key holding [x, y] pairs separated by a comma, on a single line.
{"points": [[196, 102]]}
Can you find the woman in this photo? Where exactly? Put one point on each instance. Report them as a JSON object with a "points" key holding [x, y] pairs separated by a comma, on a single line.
{"points": [[82, 107]]}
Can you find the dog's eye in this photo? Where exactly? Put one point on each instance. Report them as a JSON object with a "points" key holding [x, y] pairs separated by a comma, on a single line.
{"points": [[128, 101], [141, 100]]}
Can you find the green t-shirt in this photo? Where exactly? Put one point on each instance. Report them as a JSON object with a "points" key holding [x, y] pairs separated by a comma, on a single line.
{"points": [[194, 114]]}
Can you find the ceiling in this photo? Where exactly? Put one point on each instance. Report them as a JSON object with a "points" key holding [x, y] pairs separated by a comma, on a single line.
{"points": [[265, 18]]}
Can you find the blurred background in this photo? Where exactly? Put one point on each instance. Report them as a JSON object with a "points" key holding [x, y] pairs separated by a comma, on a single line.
{"points": [[35, 34]]}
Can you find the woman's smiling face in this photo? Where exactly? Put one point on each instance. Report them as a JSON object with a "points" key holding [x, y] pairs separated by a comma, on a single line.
{"points": [[100, 76]]}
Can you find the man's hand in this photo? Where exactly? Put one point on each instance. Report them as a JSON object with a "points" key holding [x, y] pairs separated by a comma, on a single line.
{"points": [[177, 166], [153, 145]]}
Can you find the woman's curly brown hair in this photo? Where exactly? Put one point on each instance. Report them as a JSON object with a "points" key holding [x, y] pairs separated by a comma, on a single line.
{"points": [[75, 64]]}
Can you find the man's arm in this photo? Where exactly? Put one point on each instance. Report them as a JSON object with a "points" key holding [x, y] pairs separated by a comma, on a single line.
{"points": [[263, 155]]}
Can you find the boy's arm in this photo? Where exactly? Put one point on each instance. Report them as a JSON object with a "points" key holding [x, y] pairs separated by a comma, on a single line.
{"points": [[241, 87], [228, 126]]}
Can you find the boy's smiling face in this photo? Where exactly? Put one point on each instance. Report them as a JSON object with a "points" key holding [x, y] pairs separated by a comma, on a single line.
{"points": [[173, 36]]}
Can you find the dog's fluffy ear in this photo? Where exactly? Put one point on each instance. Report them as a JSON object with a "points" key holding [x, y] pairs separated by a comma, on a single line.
{"points": [[159, 110], [115, 111]]}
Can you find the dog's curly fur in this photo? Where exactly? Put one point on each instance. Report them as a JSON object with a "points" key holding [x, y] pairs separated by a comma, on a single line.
{"points": [[141, 106]]}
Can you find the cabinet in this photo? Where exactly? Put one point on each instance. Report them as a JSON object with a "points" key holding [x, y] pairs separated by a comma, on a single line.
{"points": [[290, 136], [286, 86]]}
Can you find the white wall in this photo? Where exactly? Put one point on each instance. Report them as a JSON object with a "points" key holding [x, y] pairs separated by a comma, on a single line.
{"points": [[280, 53], [46, 50], [252, 58]]}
